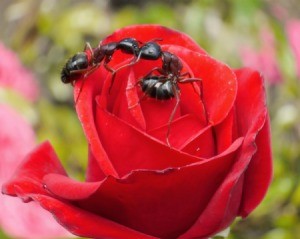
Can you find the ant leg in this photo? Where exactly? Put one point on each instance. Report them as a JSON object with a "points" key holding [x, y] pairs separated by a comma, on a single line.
{"points": [[134, 85], [192, 80], [79, 93], [137, 103], [155, 40], [177, 97], [136, 58], [85, 75], [186, 74], [189, 80], [77, 71], [114, 72], [134, 61], [143, 96], [160, 70], [88, 47]]}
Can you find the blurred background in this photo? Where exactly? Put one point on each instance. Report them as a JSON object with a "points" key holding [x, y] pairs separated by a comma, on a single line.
{"points": [[262, 34]]}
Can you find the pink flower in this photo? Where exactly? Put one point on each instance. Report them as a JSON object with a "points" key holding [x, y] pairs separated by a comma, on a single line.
{"points": [[265, 59], [293, 33], [14, 76], [16, 139], [16, 218]]}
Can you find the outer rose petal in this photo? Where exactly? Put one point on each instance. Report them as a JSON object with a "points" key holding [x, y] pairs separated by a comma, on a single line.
{"points": [[83, 223], [245, 186], [28, 185], [259, 173], [145, 33], [146, 200], [37, 164], [16, 218]]}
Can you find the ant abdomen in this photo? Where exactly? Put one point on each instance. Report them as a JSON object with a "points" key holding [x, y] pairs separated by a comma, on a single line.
{"points": [[157, 87], [76, 64]]}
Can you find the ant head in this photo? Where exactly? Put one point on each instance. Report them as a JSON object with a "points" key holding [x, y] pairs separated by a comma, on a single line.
{"points": [[76, 64], [129, 46], [150, 51]]}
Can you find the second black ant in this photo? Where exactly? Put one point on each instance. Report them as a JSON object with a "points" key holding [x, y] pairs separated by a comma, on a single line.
{"points": [[163, 86]]}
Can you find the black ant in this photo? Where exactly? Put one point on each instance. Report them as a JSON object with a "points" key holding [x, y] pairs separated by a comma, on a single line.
{"points": [[163, 86], [82, 62]]}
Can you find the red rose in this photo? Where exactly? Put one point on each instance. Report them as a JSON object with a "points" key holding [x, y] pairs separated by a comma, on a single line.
{"points": [[217, 168]]}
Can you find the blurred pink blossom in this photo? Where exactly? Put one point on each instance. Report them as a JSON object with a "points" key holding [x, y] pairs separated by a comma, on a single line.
{"points": [[14, 76], [17, 138], [278, 11], [263, 60], [16, 218], [293, 34]]}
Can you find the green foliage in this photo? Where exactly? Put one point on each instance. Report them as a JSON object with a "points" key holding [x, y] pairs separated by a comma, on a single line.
{"points": [[46, 33]]}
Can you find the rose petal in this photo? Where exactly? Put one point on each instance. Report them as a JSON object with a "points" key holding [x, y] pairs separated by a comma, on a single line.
{"points": [[117, 198], [259, 173], [38, 163], [145, 200], [28, 184], [83, 223], [218, 81], [220, 212], [226, 132], [128, 102], [94, 172], [84, 93], [148, 153], [179, 137], [68, 188], [150, 32], [251, 102], [250, 106], [132, 108], [202, 144]]}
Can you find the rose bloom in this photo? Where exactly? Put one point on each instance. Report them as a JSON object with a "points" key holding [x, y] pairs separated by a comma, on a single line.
{"points": [[217, 166]]}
